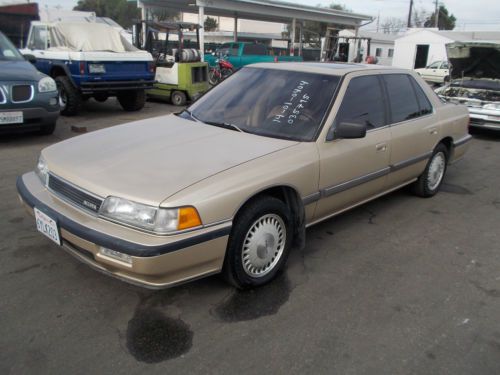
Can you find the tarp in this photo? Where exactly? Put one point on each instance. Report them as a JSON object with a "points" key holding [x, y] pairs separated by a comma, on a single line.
{"points": [[86, 37]]}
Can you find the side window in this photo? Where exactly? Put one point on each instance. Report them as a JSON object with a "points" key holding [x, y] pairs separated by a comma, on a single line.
{"points": [[390, 52], [445, 65], [434, 65], [423, 102], [254, 49], [402, 99], [235, 50], [38, 38], [363, 103]]}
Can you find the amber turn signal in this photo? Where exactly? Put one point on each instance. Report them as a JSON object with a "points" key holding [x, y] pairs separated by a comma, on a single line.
{"points": [[188, 218]]}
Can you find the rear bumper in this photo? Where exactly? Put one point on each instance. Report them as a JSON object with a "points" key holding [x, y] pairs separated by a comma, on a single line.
{"points": [[115, 86], [34, 118], [488, 120], [155, 261]]}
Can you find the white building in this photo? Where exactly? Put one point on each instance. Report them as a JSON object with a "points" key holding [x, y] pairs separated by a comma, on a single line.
{"points": [[381, 45], [420, 47]]}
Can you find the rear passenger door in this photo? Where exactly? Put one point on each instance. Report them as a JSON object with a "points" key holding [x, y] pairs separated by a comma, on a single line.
{"points": [[352, 170], [414, 127]]}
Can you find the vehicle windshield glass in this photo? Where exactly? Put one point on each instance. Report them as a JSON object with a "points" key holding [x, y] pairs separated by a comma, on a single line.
{"points": [[8, 51], [269, 102]]}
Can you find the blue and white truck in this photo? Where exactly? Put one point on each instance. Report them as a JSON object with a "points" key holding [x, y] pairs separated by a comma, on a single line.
{"points": [[90, 60]]}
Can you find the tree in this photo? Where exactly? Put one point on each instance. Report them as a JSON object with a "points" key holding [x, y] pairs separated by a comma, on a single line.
{"points": [[163, 14], [210, 24], [419, 17], [393, 25], [446, 21], [121, 11]]}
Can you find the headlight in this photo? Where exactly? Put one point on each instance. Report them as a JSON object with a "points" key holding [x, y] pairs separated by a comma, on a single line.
{"points": [[42, 170], [47, 84], [154, 219]]}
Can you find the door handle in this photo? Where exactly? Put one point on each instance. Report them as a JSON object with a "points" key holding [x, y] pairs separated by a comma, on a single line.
{"points": [[381, 147], [433, 131]]}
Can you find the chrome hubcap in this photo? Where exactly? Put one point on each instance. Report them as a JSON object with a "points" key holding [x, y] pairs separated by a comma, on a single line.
{"points": [[62, 98], [263, 245], [436, 171]]}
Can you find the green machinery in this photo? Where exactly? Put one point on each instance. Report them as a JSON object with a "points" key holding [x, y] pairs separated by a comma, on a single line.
{"points": [[180, 73]]}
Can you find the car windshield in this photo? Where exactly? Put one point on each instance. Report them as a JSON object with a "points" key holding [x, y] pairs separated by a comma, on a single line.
{"points": [[269, 102], [8, 51]]}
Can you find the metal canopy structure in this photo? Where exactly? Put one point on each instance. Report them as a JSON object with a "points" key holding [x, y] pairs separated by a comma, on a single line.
{"points": [[259, 10]]}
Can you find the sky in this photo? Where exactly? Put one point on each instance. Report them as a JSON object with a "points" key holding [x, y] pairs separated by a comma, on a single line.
{"points": [[471, 14]]}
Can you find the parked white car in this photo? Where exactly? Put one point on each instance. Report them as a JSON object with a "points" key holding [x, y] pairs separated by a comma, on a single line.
{"points": [[437, 72]]}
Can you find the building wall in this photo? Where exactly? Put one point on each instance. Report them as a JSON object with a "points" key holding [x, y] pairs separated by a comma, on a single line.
{"points": [[384, 46], [250, 26], [405, 48]]}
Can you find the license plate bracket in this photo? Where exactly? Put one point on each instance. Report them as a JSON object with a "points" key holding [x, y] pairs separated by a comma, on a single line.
{"points": [[47, 226], [15, 117]]}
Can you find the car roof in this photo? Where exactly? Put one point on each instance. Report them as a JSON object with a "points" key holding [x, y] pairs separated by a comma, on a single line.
{"points": [[336, 68]]}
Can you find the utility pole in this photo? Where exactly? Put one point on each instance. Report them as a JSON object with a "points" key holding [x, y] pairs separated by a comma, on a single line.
{"points": [[436, 16], [378, 20], [409, 13]]}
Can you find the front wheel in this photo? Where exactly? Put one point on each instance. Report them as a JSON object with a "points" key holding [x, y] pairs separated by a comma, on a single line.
{"points": [[430, 180], [132, 101], [259, 243], [214, 76], [178, 98]]}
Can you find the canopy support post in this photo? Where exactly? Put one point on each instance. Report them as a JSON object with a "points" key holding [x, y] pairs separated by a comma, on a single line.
{"points": [[201, 41], [292, 38], [235, 34]]}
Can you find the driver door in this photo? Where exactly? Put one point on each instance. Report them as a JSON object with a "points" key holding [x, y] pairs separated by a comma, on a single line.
{"points": [[354, 170]]}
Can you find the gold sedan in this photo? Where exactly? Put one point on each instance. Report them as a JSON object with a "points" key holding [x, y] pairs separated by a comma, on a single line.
{"points": [[231, 183]]}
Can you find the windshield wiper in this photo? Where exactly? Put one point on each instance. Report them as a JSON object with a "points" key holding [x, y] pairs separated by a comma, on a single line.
{"points": [[192, 116], [225, 125]]}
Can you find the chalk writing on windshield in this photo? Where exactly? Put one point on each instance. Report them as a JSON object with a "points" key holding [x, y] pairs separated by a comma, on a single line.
{"points": [[291, 109]]}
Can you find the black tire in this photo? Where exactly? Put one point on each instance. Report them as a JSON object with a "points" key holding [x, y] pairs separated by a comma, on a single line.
{"points": [[70, 100], [428, 183], [132, 101], [47, 129], [178, 98], [446, 79], [256, 222], [226, 73]]}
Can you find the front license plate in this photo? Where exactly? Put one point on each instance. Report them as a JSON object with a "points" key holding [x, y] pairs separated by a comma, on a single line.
{"points": [[11, 117], [47, 226]]}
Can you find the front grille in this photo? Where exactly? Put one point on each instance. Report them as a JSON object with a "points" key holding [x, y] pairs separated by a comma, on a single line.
{"points": [[2, 97], [198, 74], [21, 93], [74, 195], [476, 121]]}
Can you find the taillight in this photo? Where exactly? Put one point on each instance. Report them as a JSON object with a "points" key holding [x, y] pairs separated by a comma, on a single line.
{"points": [[151, 67], [82, 68]]}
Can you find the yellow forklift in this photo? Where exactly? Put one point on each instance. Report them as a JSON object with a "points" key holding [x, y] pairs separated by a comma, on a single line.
{"points": [[180, 73]]}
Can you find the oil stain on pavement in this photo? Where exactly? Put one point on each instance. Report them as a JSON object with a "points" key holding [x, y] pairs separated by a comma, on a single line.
{"points": [[252, 304], [154, 337]]}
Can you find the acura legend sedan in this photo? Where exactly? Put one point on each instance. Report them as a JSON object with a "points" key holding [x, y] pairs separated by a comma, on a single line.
{"points": [[231, 183]]}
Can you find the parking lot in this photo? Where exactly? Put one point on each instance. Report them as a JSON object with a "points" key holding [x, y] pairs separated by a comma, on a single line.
{"points": [[401, 285]]}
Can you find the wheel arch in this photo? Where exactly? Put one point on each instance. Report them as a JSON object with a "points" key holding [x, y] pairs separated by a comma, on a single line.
{"points": [[291, 197], [58, 70], [448, 143]]}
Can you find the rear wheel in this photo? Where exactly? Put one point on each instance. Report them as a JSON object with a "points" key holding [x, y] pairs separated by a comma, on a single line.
{"points": [[214, 76], [70, 99], [178, 98], [259, 244], [132, 100], [430, 180]]}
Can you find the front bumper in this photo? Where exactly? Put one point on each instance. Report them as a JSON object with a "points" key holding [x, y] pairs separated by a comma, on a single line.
{"points": [[33, 118], [156, 261], [483, 118]]}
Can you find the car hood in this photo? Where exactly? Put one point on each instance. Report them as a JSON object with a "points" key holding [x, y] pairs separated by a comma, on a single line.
{"points": [[148, 161], [18, 71], [474, 59]]}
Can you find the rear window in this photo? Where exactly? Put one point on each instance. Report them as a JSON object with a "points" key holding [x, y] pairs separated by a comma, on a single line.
{"points": [[423, 102], [402, 99], [254, 49]]}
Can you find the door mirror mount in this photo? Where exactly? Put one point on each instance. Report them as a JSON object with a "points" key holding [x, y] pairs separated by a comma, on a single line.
{"points": [[30, 58]]}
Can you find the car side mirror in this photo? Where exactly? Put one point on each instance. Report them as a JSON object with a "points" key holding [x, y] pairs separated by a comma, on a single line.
{"points": [[30, 58], [350, 130]]}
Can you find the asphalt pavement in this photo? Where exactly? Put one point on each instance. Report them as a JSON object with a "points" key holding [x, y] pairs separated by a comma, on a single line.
{"points": [[401, 285]]}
